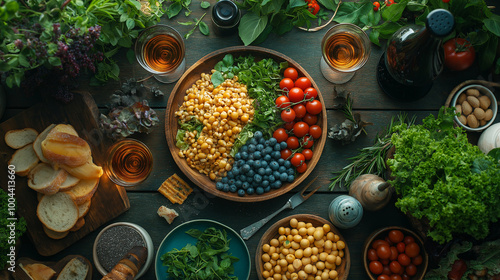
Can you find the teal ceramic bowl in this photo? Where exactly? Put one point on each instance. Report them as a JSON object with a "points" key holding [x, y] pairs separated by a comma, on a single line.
{"points": [[178, 238]]}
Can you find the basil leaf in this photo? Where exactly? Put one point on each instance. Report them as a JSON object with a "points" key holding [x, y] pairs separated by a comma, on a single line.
{"points": [[296, 3], [228, 60], [374, 34], [204, 28], [495, 153], [488, 53], [251, 26], [328, 4], [217, 79], [130, 23], [204, 4], [350, 12], [493, 24], [394, 12], [174, 9]]}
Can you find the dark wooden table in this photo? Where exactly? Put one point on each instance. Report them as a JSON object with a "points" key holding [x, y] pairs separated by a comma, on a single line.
{"points": [[303, 47]]}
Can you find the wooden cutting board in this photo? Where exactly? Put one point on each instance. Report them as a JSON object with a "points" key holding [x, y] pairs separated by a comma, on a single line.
{"points": [[108, 202]]}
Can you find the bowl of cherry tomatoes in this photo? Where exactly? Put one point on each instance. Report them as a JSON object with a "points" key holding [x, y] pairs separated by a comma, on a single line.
{"points": [[395, 253]]}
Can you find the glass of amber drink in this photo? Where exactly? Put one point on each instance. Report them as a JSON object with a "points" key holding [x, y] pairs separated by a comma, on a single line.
{"points": [[345, 48], [128, 162], [160, 50]]}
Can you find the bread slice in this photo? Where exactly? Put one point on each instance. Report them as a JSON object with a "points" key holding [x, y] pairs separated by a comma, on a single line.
{"points": [[24, 160], [38, 271], [61, 147], [84, 208], [58, 212], [85, 171], [19, 138], [76, 269], [45, 179], [84, 190], [79, 224], [54, 234], [70, 182], [37, 145]]}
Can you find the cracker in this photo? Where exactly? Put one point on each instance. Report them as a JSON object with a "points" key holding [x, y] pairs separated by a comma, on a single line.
{"points": [[175, 189]]}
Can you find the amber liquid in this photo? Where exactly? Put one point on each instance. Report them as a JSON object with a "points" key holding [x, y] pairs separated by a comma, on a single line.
{"points": [[163, 53], [130, 163], [344, 51]]}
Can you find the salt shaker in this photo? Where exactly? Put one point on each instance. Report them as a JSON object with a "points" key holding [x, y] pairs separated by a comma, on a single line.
{"points": [[345, 211], [225, 17]]}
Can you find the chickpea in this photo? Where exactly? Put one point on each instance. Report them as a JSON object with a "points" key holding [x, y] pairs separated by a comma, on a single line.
{"points": [[340, 245], [297, 238], [266, 248], [319, 233], [281, 230], [303, 231], [299, 253], [308, 269], [290, 258], [307, 251], [267, 266], [266, 257], [297, 264], [333, 274], [274, 242]]}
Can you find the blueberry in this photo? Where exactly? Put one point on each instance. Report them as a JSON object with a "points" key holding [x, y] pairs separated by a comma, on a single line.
{"points": [[265, 183], [245, 185], [241, 192], [262, 141], [244, 148], [268, 157], [259, 147], [240, 162], [231, 181], [282, 169], [287, 164], [257, 155], [271, 178], [265, 177], [261, 171], [274, 165], [264, 163], [238, 184], [281, 161], [225, 188], [235, 170], [250, 174], [250, 162], [258, 134], [283, 177], [269, 171], [277, 184], [243, 178], [290, 178], [267, 189], [272, 141], [267, 150], [245, 168], [276, 174], [250, 190], [253, 141], [252, 148], [224, 180], [266, 143], [283, 145], [230, 174], [250, 156], [219, 185], [257, 164], [257, 178], [244, 155], [276, 155], [259, 190], [277, 147], [237, 156], [233, 188]]}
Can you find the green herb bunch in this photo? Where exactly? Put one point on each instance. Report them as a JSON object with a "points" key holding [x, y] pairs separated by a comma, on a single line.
{"points": [[34, 34], [208, 259], [443, 180], [5, 233], [473, 21]]}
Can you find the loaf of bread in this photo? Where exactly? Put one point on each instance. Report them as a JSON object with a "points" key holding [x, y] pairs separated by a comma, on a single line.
{"points": [[37, 145], [87, 170], [58, 212], [76, 269], [61, 147], [128, 267], [45, 179], [19, 138], [24, 160]]}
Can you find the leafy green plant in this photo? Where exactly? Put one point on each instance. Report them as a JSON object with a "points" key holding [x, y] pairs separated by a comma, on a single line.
{"points": [[208, 259], [197, 24]]}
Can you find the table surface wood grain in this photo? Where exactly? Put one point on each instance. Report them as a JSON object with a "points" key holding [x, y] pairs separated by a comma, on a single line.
{"points": [[303, 47]]}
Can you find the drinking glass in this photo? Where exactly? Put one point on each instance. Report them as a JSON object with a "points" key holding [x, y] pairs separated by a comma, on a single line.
{"points": [[128, 162], [160, 50], [345, 48]]}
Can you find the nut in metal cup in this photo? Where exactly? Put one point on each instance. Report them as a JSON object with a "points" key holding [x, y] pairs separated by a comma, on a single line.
{"points": [[160, 50], [128, 162], [345, 48]]}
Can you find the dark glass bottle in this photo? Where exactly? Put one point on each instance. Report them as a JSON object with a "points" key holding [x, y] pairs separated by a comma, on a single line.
{"points": [[414, 57], [225, 17]]}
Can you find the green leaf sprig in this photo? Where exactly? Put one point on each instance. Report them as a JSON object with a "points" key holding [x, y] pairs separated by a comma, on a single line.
{"points": [[197, 24]]}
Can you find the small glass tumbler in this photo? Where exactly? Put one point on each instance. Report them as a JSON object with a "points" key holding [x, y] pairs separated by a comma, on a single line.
{"points": [[128, 162], [345, 48], [160, 50]]}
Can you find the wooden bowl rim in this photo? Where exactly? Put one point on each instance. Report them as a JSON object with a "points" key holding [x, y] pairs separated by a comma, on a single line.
{"points": [[301, 217], [210, 188], [371, 238]]}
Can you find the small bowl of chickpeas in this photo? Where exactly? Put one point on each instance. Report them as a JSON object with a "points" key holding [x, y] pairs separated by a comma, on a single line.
{"points": [[395, 253], [301, 246]]}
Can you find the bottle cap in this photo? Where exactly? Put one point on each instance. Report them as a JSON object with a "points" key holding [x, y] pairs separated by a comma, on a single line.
{"points": [[440, 22], [225, 13]]}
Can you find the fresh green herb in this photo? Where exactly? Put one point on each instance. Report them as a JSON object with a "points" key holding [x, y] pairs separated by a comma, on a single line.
{"points": [[197, 23], [443, 180], [208, 259], [8, 238], [192, 124], [176, 7], [204, 4]]}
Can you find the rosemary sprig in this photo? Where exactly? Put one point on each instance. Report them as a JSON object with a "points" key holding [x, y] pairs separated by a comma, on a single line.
{"points": [[371, 160]]}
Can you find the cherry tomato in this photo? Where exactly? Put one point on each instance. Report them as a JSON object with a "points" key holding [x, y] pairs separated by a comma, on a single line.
{"points": [[313, 107], [376, 6], [387, 270], [403, 259], [376, 267], [298, 159], [288, 115], [411, 270], [458, 54], [401, 247], [286, 84], [291, 73], [289, 125], [300, 129], [302, 168], [417, 260], [379, 242], [308, 154], [282, 101], [405, 277], [408, 239], [292, 142], [396, 236], [280, 135], [384, 251], [394, 253], [313, 8], [389, 2], [296, 95], [303, 83], [286, 153], [307, 142], [395, 267], [310, 92], [385, 261], [315, 131], [383, 277], [300, 111], [412, 249], [310, 119], [396, 277], [388, 240]]}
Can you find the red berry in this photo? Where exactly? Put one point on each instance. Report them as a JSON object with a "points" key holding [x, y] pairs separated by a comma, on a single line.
{"points": [[376, 6]]}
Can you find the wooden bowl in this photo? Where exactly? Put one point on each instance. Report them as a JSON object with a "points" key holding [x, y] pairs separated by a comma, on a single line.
{"points": [[381, 234], [205, 65], [272, 232]]}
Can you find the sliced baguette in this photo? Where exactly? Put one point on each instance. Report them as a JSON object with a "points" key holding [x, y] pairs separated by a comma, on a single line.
{"points": [[45, 179], [58, 212], [76, 269], [19, 138], [24, 160], [79, 224], [84, 208], [54, 234], [84, 190], [85, 171], [37, 145], [70, 182], [38, 271], [61, 147]]}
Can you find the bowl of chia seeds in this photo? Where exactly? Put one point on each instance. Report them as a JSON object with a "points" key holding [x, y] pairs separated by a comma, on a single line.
{"points": [[113, 243]]}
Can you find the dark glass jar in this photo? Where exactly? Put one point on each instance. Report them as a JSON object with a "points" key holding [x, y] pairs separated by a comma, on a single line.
{"points": [[414, 57], [225, 17]]}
